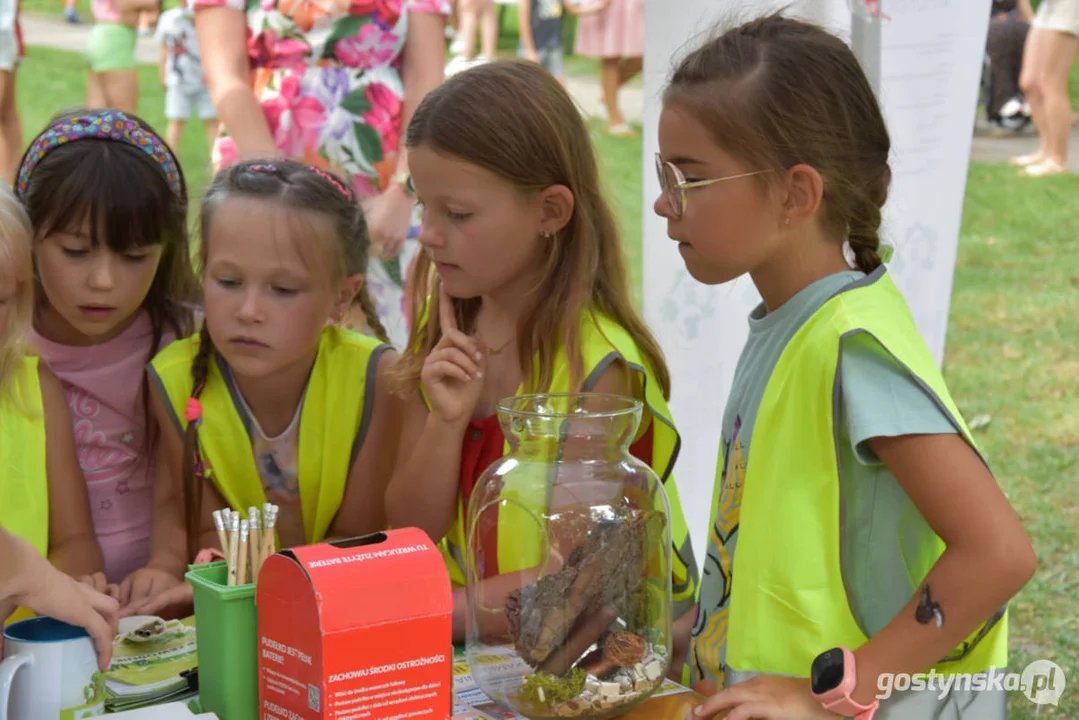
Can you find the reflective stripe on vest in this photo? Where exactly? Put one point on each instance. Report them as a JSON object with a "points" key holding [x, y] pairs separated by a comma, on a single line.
{"points": [[24, 480], [333, 422], [602, 343], [789, 598]]}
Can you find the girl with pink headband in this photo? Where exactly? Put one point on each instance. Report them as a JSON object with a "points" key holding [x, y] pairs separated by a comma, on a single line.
{"points": [[274, 401]]}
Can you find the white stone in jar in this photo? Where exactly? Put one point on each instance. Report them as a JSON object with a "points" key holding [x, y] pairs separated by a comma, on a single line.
{"points": [[609, 689], [653, 670]]}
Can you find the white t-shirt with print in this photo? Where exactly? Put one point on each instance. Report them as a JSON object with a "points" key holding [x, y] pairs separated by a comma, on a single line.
{"points": [[176, 31]]}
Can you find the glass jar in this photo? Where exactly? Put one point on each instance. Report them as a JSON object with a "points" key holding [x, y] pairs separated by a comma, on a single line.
{"points": [[568, 566]]}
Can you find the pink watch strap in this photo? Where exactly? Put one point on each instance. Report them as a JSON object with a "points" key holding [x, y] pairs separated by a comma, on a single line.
{"points": [[839, 700]]}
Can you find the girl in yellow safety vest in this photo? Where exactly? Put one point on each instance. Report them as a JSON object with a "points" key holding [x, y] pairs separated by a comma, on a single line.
{"points": [[523, 287], [43, 497], [857, 532], [108, 204], [274, 401]]}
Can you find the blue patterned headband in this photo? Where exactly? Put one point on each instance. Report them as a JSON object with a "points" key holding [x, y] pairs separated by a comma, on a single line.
{"points": [[104, 125]]}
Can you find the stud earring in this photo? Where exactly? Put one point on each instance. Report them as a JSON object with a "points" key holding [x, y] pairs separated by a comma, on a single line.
{"points": [[548, 234], [786, 221]]}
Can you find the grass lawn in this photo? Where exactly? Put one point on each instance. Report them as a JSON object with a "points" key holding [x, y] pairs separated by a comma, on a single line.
{"points": [[1013, 344], [1013, 353]]}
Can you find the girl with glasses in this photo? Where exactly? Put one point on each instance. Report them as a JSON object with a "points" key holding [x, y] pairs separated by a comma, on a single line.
{"points": [[857, 528]]}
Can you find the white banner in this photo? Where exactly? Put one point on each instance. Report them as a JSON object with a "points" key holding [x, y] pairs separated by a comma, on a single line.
{"points": [[925, 60]]}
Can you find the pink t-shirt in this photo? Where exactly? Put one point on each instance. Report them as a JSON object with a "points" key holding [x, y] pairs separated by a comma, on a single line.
{"points": [[103, 385], [104, 11]]}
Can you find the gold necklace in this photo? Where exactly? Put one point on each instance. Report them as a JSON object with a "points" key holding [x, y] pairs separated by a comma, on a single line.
{"points": [[500, 348]]}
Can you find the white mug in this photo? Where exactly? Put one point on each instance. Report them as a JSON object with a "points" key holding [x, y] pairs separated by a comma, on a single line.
{"points": [[48, 672]]}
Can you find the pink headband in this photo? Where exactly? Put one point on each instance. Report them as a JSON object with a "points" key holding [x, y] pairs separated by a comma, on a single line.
{"points": [[328, 177], [104, 125]]}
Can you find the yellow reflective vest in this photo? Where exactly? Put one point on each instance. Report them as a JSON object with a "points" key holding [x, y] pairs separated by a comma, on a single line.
{"points": [[24, 479], [602, 342], [789, 598], [333, 423]]}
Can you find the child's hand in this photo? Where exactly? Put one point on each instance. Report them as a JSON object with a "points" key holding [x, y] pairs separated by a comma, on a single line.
{"points": [[765, 698], [452, 375], [98, 582], [175, 603], [27, 579], [143, 584]]}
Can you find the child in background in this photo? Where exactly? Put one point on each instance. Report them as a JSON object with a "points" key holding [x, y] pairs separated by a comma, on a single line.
{"points": [[271, 402], [112, 80], [541, 24], [42, 494], [11, 55], [857, 529], [108, 205], [71, 13], [523, 288], [181, 75]]}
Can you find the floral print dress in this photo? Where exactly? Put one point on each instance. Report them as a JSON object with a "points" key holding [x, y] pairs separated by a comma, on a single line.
{"points": [[327, 73]]}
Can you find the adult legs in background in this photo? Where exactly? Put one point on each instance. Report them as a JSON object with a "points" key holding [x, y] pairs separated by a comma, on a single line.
{"points": [[174, 134], [1047, 61], [212, 126], [147, 20], [113, 81], [468, 17], [488, 29], [10, 127], [95, 91], [204, 104], [614, 73], [610, 77], [120, 89], [11, 52], [615, 36], [1004, 45]]}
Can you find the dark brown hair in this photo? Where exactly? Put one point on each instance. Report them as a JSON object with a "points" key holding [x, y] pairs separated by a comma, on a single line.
{"points": [[531, 134], [779, 92], [124, 197], [299, 187]]}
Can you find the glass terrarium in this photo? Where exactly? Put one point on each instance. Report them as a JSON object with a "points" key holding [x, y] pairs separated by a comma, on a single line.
{"points": [[569, 562]]}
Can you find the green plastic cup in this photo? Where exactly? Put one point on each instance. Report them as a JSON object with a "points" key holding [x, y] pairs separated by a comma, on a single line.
{"points": [[226, 624]]}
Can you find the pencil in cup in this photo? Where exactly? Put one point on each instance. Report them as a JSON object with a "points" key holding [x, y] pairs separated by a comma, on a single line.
{"points": [[234, 547], [269, 523], [254, 524], [219, 525], [241, 555]]}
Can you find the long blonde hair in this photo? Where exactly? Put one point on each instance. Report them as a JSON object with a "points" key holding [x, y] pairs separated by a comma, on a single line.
{"points": [[16, 261], [514, 119]]}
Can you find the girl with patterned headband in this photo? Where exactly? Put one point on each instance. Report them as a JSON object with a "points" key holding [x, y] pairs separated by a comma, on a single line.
{"points": [[108, 206]]}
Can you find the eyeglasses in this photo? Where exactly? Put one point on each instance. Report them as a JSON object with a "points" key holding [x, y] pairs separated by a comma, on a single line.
{"points": [[674, 185]]}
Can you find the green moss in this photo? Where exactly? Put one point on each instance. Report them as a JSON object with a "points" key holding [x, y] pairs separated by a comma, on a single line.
{"points": [[555, 689]]}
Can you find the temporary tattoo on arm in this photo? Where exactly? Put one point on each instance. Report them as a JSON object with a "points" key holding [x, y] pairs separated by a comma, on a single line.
{"points": [[927, 610]]}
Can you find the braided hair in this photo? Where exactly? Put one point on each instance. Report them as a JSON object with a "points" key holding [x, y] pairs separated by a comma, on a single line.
{"points": [[297, 186], [778, 92]]}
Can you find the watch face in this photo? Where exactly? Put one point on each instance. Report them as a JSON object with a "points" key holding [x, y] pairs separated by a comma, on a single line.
{"points": [[827, 672]]}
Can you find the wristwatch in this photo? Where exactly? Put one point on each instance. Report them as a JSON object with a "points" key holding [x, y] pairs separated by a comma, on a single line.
{"points": [[403, 179], [833, 678]]}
